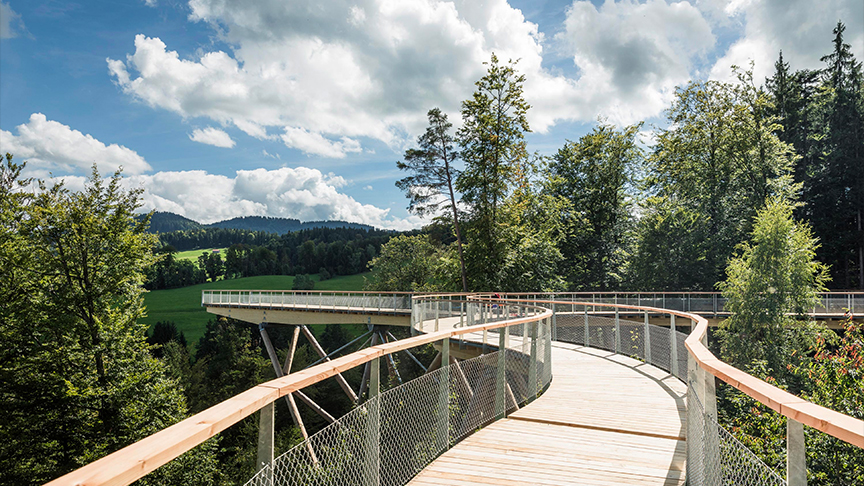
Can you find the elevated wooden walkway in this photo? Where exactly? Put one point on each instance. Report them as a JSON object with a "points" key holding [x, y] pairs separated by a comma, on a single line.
{"points": [[605, 419]]}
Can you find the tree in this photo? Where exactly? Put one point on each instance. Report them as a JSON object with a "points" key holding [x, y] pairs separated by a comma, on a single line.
{"points": [[433, 173], [406, 263], [834, 190], [303, 282], [713, 167], [494, 123], [595, 175], [773, 279], [211, 262], [78, 380]]}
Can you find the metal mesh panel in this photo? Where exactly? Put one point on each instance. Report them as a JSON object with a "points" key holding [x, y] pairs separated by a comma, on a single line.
{"points": [[393, 436], [661, 348], [714, 456]]}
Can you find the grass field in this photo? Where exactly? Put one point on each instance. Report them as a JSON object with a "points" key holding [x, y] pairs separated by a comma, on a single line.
{"points": [[194, 254], [183, 305]]}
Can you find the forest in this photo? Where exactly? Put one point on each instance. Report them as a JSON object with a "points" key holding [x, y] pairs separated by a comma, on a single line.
{"points": [[324, 251], [754, 188]]}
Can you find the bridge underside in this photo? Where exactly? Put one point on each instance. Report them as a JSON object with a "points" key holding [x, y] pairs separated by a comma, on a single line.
{"points": [[312, 316]]}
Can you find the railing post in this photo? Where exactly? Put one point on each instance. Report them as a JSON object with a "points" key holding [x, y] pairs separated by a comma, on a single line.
{"points": [[437, 309], [587, 332], [266, 420], [647, 340], [461, 314], [796, 457], [554, 322], [444, 396], [501, 378], [373, 431], [532, 364], [617, 333], [547, 357], [673, 349]]}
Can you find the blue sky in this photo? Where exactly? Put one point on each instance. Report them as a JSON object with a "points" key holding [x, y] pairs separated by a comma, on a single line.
{"points": [[223, 108]]}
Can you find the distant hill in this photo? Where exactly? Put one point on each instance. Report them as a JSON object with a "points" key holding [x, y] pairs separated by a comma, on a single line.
{"points": [[165, 222], [282, 225]]}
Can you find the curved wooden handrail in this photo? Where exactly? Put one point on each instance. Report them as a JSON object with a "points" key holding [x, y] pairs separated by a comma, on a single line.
{"points": [[137, 460], [836, 424]]}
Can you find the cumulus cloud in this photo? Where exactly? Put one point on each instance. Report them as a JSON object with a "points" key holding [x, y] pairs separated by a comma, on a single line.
{"points": [[49, 146], [11, 24], [212, 136], [801, 28], [302, 193], [321, 76], [634, 54], [314, 144]]}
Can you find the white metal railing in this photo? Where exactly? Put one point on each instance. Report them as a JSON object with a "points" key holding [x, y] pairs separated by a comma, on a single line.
{"points": [[310, 300], [703, 303]]}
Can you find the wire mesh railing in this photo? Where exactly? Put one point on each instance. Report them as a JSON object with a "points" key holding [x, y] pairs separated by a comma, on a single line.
{"points": [[395, 434], [388, 439]]}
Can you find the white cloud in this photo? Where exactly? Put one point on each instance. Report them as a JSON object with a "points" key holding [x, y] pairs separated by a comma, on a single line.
{"points": [[367, 188], [151, 3], [301, 193], [325, 75], [801, 28], [48, 146], [212, 136], [631, 56], [11, 24], [314, 144]]}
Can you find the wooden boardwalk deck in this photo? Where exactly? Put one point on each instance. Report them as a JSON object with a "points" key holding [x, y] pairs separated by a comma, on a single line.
{"points": [[604, 420]]}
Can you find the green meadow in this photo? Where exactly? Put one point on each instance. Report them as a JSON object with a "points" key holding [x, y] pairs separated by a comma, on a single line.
{"points": [[183, 306], [194, 254]]}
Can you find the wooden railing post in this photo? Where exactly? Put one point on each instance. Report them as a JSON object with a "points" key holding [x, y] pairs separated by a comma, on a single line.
{"points": [[647, 340], [554, 321], [587, 332], [444, 396], [266, 421], [532, 364], [796, 455], [673, 348], [373, 430], [617, 332], [501, 378]]}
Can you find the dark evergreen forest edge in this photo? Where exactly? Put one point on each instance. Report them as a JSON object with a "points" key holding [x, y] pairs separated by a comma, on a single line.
{"points": [[165, 222], [753, 188]]}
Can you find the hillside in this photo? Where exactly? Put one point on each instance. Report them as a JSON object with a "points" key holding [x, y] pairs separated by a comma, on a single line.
{"points": [[281, 225], [165, 222]]}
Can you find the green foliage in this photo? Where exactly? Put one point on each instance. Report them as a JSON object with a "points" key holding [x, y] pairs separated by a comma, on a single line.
{"points": [[303, 282], [431, 182], [709, 173], [163, 333], [78, 379], [211, 262], [835, 378], [773, 279], [406, 263], [494, 123], [594, 175]]}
